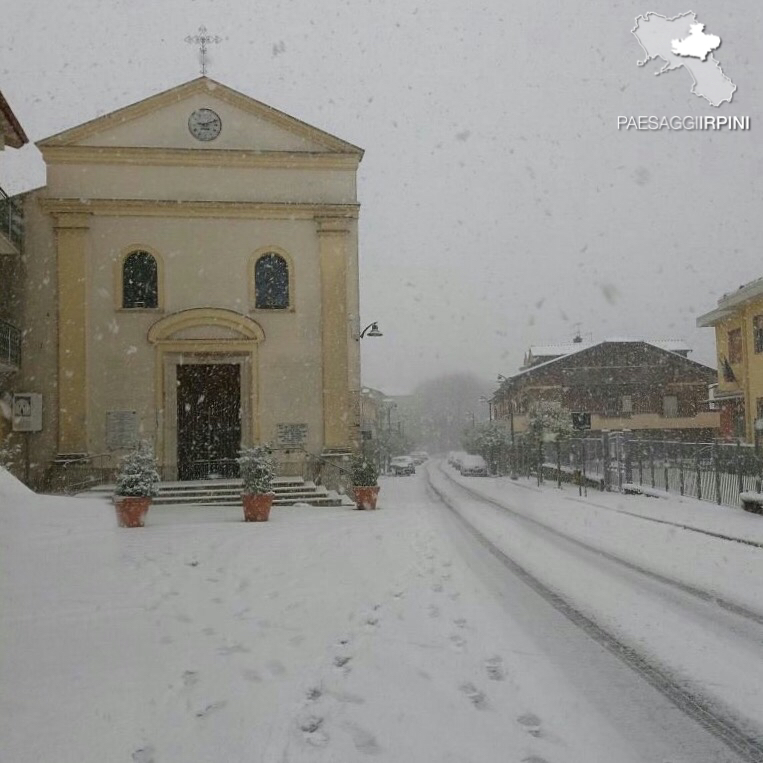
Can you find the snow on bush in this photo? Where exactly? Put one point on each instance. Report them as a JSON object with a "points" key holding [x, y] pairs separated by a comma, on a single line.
{"points": [[137, 473], [364, 471], [257, 469]]}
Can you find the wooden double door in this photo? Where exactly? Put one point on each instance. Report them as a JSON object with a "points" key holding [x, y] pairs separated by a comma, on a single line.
{"points": [[208, 420]]}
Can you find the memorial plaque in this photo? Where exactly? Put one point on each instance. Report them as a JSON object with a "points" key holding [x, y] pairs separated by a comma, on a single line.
{"points": [[121, 429], [291, 435], [27, 412]]}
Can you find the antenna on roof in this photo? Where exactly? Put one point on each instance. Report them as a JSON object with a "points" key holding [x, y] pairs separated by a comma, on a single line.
{"points": [[578, 339]]}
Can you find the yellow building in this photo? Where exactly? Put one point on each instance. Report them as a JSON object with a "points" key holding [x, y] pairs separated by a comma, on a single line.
{"points": [[738, 323], [191, 279]]}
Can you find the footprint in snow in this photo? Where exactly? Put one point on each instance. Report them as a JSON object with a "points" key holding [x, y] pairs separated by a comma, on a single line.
{"points": [[530, 723], [475, 696], [534, 759], [252, 675], [458, 642], [437, 587], [363, 740], [190, 678], [314, 693], [494, 669], [226, 651], [209, 709], [461, 622], [309, 724], [433, 610], [144, 755], [372, 621], [341, 661]]}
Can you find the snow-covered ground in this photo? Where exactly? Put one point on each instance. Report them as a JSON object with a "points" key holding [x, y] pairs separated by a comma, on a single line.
{"points": [[329, 634]]}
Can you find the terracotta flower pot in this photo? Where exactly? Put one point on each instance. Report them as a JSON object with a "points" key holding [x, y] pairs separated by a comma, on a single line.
{"points": [[365, 496], [131, 509], [256, 506]]}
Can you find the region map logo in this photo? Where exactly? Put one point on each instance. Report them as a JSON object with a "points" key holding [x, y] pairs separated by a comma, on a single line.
{"points": [[681, 42]]}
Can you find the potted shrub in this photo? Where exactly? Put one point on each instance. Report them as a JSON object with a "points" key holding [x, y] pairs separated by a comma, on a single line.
{"points": [[137, 484], [257, 471], [365, 478]]}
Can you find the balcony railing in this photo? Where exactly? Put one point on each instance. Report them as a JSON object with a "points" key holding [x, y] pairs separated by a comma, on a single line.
{"points": [[10, 346], [11, 219]]}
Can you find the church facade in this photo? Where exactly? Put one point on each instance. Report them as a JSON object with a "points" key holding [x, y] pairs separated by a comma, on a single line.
{"points": [[191, 279]]}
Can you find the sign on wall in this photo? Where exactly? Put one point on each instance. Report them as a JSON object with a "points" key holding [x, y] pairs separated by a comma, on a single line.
{"points": [[121, 429], [291, 435], [27, 412]]}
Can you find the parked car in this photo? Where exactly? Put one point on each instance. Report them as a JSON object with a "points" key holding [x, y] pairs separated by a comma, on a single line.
{"points": [[419, 456], [455, 457], [402, 465], [473, 466]]}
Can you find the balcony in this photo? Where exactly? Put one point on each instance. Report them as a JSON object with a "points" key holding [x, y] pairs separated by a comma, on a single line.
{"points": [[11, 224], [10, 348]]}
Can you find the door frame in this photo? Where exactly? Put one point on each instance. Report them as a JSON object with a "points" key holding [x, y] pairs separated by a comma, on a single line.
{"points": [[203, 335]]}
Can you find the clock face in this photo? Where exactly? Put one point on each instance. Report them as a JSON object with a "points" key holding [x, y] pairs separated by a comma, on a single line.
{"points": [[204, 124]]}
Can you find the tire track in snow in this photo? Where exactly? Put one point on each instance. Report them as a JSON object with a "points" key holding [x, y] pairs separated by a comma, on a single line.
{"points": [[698, 593], [748, 747]]}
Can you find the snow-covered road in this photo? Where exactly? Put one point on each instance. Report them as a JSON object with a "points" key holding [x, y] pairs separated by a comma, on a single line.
{"points": [[324, 635]]}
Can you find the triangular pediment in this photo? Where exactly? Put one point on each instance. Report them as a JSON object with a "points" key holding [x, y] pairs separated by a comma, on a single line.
{"points": [[162, 122]]}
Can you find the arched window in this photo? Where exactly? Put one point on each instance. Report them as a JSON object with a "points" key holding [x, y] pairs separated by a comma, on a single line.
{"points": [[271, 282], [140, 286]]}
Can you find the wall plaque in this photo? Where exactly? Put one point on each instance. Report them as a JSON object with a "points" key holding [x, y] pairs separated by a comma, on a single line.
{"points": [[27, 412], [121, 429], [291, 435]]}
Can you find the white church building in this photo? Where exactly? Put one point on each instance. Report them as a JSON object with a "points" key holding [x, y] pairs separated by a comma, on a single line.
{"points": [[190, 278]]}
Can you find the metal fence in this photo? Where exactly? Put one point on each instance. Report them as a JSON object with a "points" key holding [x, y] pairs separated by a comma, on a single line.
{"points": [[709, 471]]}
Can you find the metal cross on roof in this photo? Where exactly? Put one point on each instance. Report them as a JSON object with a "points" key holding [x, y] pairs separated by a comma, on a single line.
{"points": [[202, 39]]}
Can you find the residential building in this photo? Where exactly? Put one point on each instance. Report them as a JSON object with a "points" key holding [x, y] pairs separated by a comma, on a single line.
{"points": [[614, 385], [11, 230], [192, 280], [738, 323]]}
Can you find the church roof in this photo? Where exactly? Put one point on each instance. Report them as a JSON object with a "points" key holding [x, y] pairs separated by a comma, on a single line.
{"points": [[188, 89]]}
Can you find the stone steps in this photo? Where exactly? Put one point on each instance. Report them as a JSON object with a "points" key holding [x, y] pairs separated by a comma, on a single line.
{"points": [[227, 492]]}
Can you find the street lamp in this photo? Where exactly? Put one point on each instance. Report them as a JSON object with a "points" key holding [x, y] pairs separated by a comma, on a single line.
{"points": [[374, 330]]}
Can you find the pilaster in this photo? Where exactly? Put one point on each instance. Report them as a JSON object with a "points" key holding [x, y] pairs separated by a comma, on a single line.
{"points": [[333, 236], [71, 243]]}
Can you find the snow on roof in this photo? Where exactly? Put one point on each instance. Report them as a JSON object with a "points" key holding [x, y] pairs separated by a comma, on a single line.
{"points": [[580, 346], [545, 350]]}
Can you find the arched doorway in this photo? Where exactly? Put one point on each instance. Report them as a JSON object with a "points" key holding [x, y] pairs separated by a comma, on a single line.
{"points": [[206, 378]]}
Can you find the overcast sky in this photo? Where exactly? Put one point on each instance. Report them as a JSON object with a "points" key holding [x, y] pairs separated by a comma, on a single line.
{"points": [[500, 204]]}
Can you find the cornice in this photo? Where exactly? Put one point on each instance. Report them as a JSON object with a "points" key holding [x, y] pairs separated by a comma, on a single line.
{"points": [[191, 157], [231, 209]]}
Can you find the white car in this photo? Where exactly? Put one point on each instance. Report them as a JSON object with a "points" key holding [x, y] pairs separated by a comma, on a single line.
{"points": [[402, 465], [473, 466], [455, 457]]}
